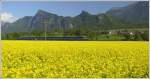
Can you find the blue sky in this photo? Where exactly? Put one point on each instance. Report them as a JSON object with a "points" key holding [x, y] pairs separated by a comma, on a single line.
{"points": [[13, 10], [20, 9]]}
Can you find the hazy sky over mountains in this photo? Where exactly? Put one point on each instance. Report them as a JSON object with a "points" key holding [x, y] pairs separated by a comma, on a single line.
{"points": [[15, 9]]}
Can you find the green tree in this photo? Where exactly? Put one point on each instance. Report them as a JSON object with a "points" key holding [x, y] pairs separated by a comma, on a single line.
{"points": [[145, 36], [138, 36]]}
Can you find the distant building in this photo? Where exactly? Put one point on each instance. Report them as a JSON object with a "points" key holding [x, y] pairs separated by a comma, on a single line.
{"points": [[110, 33], [131, 33]]}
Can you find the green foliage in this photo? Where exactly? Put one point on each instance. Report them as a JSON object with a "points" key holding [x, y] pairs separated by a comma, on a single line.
{"points": [[138, 36], [145, 35], [101, 35]]}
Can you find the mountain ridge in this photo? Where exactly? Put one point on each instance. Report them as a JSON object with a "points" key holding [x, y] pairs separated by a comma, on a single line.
{"points": [[124, 16]]}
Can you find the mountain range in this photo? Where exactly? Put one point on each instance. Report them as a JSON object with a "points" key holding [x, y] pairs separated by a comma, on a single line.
{"points": [[134, 15]]}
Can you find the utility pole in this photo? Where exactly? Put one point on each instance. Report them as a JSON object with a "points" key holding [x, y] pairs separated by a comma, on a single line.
{"points": [[45, 22], [45, 28]]}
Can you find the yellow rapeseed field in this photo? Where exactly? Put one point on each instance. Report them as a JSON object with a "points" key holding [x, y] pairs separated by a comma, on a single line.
{"points": [[75, 59]]}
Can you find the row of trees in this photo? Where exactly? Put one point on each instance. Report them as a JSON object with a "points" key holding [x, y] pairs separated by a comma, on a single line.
{"points": [[138, 36], [92, 35]]}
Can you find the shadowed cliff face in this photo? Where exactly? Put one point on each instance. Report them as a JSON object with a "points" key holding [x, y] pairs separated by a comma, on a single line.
{"points": [[136, 12]]}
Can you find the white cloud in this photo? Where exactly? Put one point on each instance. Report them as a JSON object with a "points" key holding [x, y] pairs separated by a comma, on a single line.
{"points": [[7, 17]]}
